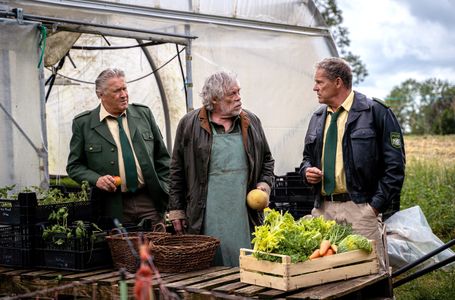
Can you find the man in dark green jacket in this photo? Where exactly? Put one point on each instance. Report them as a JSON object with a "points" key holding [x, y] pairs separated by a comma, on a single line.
{"points": [[99, 147]]}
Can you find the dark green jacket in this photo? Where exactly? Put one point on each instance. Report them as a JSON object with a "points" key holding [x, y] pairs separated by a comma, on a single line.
{"points": [[93, 153]]}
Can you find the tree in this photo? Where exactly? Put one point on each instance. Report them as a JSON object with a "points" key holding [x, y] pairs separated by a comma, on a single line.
{"points": [[333, 17], [401, 100], [426, 107]]}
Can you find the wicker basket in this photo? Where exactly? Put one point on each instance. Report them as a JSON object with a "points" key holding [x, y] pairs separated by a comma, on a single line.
{"points": [[183, 253], [122, 256]]}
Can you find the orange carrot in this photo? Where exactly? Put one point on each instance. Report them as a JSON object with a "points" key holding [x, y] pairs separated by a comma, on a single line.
{"points": [[325, 245], [315, 254], [329, 252], [334, 248]]}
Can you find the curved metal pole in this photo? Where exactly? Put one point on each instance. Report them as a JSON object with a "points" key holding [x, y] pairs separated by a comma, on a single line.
{"points": [[159, 82]]}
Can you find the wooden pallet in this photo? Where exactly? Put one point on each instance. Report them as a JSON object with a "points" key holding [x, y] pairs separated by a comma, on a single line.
{"points": [[287, 276], [212, 283]]}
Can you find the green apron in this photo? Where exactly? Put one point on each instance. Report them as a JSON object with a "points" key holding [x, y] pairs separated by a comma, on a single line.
{"points": [[226, 215]]}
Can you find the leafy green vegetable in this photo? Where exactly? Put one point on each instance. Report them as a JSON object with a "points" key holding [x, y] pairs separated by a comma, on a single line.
{"points": [[337, 233], [281, 234], [355, 242]]}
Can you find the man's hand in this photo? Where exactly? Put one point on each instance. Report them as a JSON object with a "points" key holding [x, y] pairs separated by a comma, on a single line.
{"points": [[106, 183], [179, 226], [313, 175]]}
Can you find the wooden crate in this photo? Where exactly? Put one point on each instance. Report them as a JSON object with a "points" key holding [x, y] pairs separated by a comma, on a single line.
{"points": [[287, 276]]}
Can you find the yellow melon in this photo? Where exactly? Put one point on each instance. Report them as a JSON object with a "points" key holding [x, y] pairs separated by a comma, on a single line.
{"points": [[257, 199]]}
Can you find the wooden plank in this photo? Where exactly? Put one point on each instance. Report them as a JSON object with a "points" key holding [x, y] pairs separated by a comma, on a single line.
{"points": [[114, 279], [337, 289], [181, 276], [71, 277], [55, 275], [271, 293], [250, 291], [35, 274], [5, 269], [200, 278], [230, 288], [169, 277], [100, 276], [208, 285], [16, 272]]}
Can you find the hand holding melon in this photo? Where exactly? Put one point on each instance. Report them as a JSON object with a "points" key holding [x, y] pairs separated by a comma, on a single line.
{"points": [[257, 199]]}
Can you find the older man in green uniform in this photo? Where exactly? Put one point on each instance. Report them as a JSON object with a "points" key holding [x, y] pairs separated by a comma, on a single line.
{"points": [[220, 154], [118, 139]]}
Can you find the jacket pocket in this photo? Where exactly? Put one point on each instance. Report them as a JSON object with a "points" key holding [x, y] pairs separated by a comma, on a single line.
{"points": [[364, 152], [147, 136], [148, 139]]}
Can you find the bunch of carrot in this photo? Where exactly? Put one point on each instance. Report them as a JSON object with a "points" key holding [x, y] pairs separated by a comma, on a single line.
{"points": [[326, 248], [331, 239]]}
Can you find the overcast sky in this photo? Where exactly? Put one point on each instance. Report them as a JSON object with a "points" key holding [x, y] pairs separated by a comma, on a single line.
{"points": [[401, 39]]}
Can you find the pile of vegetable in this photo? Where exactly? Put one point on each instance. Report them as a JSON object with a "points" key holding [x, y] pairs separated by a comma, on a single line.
{"points": [[303, 239]]}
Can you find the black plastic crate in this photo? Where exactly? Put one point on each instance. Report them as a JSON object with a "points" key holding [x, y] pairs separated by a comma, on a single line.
{"points": [[290, 185], [18, 211], [76, 254], [296, 209], [291, 194], [81, 210], [17, 236], [16, 257], [72, 260]]}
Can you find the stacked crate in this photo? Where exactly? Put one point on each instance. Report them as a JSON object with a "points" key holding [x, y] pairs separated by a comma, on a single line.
{"points": [[22, 222], [290, 193], [17, 230]]}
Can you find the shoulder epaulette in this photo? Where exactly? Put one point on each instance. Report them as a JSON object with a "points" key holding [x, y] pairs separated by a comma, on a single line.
{"points": [[381, 102], [83, 114]]}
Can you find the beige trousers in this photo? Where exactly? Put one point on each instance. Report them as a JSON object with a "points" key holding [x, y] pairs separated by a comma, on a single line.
{"points": [[363, 220]]}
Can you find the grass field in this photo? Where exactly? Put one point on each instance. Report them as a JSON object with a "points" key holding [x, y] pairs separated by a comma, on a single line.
{"points": [[430, 183]]}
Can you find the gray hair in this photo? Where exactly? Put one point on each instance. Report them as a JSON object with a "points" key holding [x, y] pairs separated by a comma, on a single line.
{"points": [[104, 76], [216, 87], [336, 67]]}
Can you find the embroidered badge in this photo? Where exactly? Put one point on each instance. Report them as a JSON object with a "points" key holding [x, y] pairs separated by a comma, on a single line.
{"points": [[395, 139]]}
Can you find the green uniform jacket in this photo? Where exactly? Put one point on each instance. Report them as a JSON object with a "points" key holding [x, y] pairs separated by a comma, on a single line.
{"points": [[93, 153]]}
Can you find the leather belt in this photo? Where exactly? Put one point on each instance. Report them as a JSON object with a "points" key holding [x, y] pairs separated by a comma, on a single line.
{"points": [[337, 197]]}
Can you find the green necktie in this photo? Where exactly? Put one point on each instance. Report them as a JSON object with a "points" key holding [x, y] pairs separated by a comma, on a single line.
{"points": [[128, 158], [330, 152]]}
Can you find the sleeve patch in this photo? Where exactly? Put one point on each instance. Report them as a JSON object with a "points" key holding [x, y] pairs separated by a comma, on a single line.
{"points": [[395, 139]]}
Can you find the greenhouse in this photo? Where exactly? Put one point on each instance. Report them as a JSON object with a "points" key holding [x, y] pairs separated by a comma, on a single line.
{"points": [[52, 51]]}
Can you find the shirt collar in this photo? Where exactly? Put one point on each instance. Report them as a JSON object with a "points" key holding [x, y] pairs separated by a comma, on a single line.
{"points": [[104, 113], [347, 103]]}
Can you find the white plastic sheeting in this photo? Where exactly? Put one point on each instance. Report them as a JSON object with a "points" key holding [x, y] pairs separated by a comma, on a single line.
{"points": [[22, 155], [271, 45], [409, 237], [70, 97]]}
